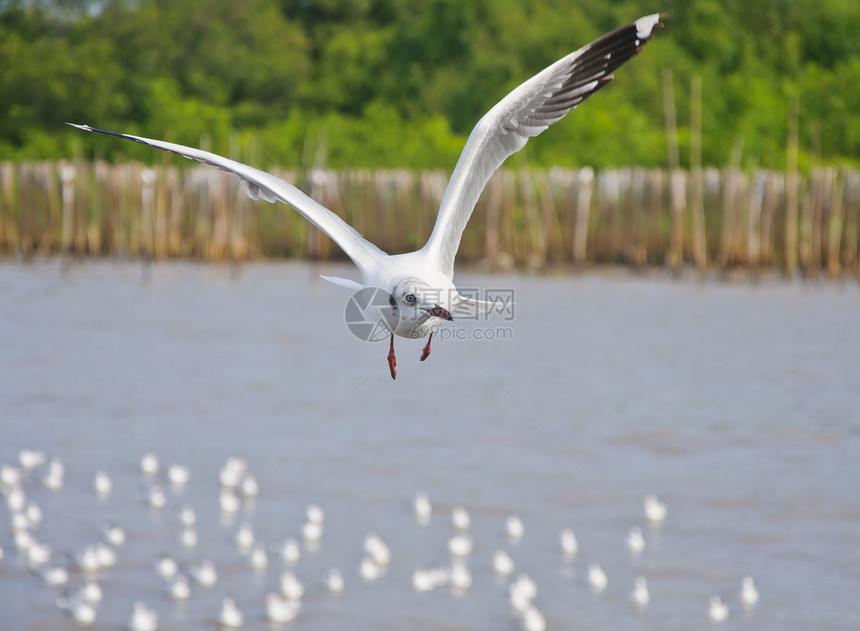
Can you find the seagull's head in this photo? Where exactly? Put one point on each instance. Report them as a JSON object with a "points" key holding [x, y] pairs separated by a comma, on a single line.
{"points": [[420, 308]]}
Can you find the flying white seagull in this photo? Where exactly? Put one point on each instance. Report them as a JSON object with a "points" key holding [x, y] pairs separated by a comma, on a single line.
{"points": [[419, 285]]}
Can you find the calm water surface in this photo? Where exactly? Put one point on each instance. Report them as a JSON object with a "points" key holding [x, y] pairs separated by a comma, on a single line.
{"points": [[737, 404]]}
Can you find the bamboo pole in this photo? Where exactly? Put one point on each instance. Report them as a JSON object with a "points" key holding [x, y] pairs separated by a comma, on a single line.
{"points": [[650, 210], [27, 220], [640, 233], [584, 189], [852, 218], [731, 207], [67, 182], [729, 195], [47, 238], [83, 201], [148, 181], [9, 234], [819, 182], [754, 220], [834, 229], [536, 257], [792, 184], [767, 218], [677, 209], [805, 232], [697, 193]]}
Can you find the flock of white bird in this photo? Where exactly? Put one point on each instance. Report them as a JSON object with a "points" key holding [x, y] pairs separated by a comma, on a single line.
{"points": [[81, 568]]}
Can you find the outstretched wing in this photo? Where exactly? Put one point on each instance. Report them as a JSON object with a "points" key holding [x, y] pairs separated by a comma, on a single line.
{"points": [[526, 112], [259, 184]]}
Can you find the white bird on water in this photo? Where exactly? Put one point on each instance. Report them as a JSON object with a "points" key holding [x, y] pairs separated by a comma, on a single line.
{"points": [[334, 581], [749, 593], [87, 560], [315, 514], [105, 554], [533, 620], [423, 508], [231, 473], [53, 477], [149, 464], [178, 475], [187, 516], [413, 294], [503, 564], [257, 559], [230, 616], [92, 592], [34, 513], [228, 501], [377, 549], [9, 476], [312, 532], [205, 573], [166, 567], [515, 528], [460, 577], [249, 486], [102, 484], [291, 586], [82, 611], [155, 498], [188, 537], [369, 570], [635, 540], [640, 595], [178, 588], [597, 578], [55, 576], [244, 538], [521, 593], [460, 518], [460, 545], [142, 618], [569, 544], [718, 610], [425, 580], [114, 535], [30, 459], [655, 509], [280, 609], [290, 550]]}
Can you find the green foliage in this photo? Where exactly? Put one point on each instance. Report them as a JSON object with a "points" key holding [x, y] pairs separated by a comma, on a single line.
{"points": [[388, 83]]}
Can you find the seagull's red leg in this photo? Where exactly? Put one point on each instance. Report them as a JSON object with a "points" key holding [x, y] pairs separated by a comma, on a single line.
{"points": [[392, 361], [426, 352]]}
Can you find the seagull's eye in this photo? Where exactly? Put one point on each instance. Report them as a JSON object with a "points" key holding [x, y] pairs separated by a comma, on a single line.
{"points": [[410, 298]]}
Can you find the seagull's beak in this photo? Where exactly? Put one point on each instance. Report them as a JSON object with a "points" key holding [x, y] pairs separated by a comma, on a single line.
{"points": [[439, 312]]}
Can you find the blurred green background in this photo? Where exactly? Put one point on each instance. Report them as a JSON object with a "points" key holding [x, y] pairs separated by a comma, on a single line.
{"points": [[373, 83]]}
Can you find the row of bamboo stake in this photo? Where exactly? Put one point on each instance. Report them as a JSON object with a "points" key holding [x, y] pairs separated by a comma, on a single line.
{"points": [[532, 218]]}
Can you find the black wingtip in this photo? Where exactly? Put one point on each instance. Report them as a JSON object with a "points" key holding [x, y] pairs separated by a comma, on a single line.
{"points": [[104, 131]]}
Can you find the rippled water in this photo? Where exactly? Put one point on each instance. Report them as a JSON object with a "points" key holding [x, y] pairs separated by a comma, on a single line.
{"points": [[738, 404]]}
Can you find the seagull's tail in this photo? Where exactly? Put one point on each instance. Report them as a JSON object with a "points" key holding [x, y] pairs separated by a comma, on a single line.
{"points": [[466, 307]]}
